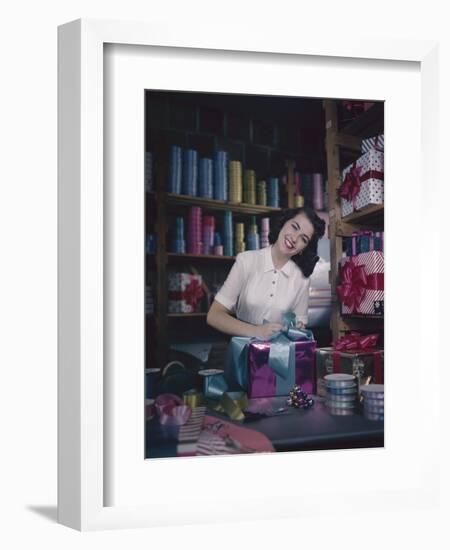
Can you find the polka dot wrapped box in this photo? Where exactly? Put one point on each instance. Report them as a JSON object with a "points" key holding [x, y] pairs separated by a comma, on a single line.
{"points": [[363, 182]]}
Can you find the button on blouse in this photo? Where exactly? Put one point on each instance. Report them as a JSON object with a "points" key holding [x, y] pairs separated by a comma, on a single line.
{"points": [[255, 291]]}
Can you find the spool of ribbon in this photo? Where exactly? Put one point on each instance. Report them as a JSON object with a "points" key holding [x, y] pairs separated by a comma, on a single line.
{"points": [[193, 398]]}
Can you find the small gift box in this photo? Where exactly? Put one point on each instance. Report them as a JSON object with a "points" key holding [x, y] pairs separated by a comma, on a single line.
{"points": [[185, 290], [353, 354], [375, 142], [362, 182], [361, 289]]}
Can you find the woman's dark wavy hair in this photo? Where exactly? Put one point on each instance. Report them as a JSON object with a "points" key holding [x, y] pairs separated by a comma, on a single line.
{"points": [[307, 260]]}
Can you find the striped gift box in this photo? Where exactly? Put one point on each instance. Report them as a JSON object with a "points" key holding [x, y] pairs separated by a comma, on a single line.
{"points": [[373, 263], [190, 432], [375, 142]]}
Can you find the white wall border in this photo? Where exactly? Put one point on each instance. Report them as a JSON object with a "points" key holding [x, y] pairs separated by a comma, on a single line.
{"points": [[80, 225]]}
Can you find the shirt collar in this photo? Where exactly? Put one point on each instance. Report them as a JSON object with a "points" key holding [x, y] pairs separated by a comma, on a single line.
{"points": [[268, 263]]}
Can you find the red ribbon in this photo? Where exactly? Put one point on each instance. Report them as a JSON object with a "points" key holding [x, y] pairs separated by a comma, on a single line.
{"points": [[191, 294], [351, 185], [355, 283], [356, 341]]}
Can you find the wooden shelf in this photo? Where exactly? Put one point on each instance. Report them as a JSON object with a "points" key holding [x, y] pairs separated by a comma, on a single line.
{"points": [[210, 204], [359, 316], [371, 215], [174, 256], [367, 124]]}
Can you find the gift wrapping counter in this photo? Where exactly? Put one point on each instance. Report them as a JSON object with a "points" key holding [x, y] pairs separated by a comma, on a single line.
{"points": [[291, 430]]}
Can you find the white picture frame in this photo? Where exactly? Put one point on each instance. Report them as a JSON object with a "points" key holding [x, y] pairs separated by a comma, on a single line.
{"points": [[82, 359]]}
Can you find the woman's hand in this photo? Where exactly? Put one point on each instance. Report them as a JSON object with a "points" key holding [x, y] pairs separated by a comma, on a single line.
{"points": [[265, 331], [301, 325]]}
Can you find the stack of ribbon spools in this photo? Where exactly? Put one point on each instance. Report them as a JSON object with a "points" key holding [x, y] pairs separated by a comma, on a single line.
{"points": [[178, 244], [341, 393], [252, 235], [373, 401], [239, 243], [194, 244], [273, 197], [220, 175], [235, 194], [249, 187], [174, 182], [228, 233], [205, 178], [262, 193], [189, 172], [265, 230], [209, 224]]}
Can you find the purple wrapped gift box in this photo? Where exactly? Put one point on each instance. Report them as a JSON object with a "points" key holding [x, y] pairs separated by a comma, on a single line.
{"points": [[264, 382]]}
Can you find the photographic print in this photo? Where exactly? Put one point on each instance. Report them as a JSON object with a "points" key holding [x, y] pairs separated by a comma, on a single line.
{"points": [[264, 274]]}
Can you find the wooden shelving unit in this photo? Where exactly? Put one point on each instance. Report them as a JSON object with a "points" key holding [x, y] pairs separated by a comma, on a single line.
{"points": [[170, 203], [349, 138]]}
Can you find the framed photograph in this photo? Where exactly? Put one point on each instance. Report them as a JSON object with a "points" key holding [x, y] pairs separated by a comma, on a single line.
{"points": [[226, 322]]}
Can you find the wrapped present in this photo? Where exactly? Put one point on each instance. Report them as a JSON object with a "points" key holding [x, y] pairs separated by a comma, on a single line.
{"points": [[375, 142], [185, 290], [362, 284], [270, 368], [353, 354], [362, 182], [363, 241]]}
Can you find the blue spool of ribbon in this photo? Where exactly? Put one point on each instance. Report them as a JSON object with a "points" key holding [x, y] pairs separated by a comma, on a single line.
{"points": [[273, 197], [220, 175], [175, 170], [189, 172], [205, 178]]}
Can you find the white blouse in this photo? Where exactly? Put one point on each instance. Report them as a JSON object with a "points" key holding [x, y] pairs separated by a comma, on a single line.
{"points": [[255, 291]]}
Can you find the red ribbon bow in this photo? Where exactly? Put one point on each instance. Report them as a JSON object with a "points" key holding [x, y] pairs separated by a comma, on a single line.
{"points": [[354, 284], [355, 341], [193, 293], [351, 185]]}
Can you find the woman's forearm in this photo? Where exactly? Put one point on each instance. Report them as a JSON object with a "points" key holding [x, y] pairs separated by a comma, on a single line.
{"points": [[224, 322]]}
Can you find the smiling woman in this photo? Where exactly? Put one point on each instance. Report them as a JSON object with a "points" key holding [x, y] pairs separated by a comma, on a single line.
{"points": [[264, 284]]}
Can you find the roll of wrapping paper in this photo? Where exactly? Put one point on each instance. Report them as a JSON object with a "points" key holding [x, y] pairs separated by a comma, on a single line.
{"points": [[262, 193], [189, 172], [228, 233], [239, 242], [249, 187], [194, 240], [175, 161], [205, 178], [220, 175], [235, 174], [317, 181], [193, 398]]}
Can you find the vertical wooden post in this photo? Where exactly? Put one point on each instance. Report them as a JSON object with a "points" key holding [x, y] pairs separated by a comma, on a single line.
{"points": [[161, 342]]}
